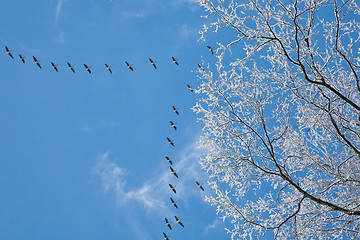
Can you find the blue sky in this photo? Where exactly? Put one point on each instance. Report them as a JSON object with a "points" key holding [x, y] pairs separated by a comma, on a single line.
{"points": [[83, 155]]}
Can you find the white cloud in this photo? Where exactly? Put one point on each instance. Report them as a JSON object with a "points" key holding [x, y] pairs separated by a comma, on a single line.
{"points": [[192, 4], [215, 224], [113, 180], [151, 193], [58, 9], [186, 31], [137, 14]]}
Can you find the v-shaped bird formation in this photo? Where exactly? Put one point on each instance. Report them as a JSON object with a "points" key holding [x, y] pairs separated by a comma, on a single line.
{"points": [[172, 124]]}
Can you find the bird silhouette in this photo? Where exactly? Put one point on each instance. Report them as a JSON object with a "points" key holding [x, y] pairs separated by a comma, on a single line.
{"points": [[169, 160], [172, 188], [200, 185], [87, 68], [175, 61], [165, 236], [190, 88], [22, 58], [178, 221], [211, 49], [8, 52], [170, 142], [167, 223], [37, 62], [129, 66], [173, 125], [175, 110], [153, 63], [108, 68], [173, 203], [71, 67], [173, 172], [201, 67], [54, 66]]}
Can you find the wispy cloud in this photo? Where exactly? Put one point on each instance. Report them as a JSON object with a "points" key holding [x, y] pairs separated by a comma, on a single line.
{"points": [[113, 180], [151, 193], [186, 32], [58, 9], [192, 4], [215, 224], [137, 14]]}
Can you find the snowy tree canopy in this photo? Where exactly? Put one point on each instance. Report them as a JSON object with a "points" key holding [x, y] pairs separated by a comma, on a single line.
{"points": [[281, 114]]}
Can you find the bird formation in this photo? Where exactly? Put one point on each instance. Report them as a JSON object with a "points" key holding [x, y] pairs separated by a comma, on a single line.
{"points": [[172, 124], [174, 172], [88, 68]]}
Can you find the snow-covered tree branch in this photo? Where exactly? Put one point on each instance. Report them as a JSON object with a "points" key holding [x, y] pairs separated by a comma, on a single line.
{"points": [[281, 114]]}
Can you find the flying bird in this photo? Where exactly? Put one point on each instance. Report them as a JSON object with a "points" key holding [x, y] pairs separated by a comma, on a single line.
{"points": [[87, 68], [178, 221], [152, 63], [172, 188], [175, 110], [173, 172], [70, 67], [108, 68], [22, 58], [211, 49], [200, 185], [190, 88], [173, 203], [170, 142], [175, 61], [129, 66], [37, 62], [54, 66], [8, 52], [165, 237], [201, 67], [173, 125], [167, 223], [169, 160]]}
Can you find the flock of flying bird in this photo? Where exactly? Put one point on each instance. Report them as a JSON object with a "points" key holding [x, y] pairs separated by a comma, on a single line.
{"points": [[173, 125], [172, 188], [88, 68]]}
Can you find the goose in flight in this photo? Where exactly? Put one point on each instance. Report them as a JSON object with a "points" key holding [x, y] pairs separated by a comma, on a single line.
{"points": [[129, 66], [170, 142], [165, 236], [87, 68], [172, 188], [167, 223], [108, 68], [8, 52], [200, 185], [168, 159], [190, 88], [175, 61], [152, 63], [173, 172], [178, 221], [173, 203], [54, 66], [71, 67], [173, 125], [175, 110], [201, 67], [37, 62], [211, 49], [22, 58]]}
